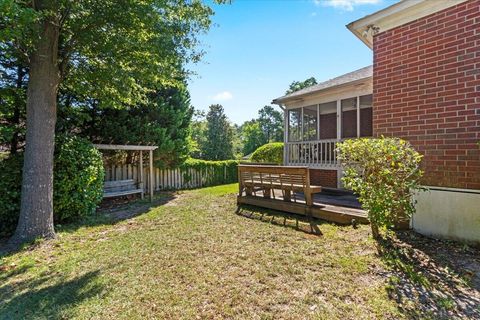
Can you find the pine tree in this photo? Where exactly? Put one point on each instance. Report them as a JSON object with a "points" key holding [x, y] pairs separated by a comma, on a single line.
{"points": [[218, 145]]}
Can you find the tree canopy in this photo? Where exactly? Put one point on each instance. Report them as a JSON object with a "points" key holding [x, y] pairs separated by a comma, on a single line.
{"points": [[87, 55], [299, 85]]}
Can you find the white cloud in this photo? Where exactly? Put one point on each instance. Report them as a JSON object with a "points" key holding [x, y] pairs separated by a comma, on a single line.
{"points": [[223, 96], [347, 5]]}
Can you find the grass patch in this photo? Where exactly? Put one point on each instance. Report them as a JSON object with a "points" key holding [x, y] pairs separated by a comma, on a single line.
{"points": [[190, 256]]}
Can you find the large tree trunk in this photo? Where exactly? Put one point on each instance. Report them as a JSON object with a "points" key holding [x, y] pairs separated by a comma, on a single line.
{"points": [[36, 212]]}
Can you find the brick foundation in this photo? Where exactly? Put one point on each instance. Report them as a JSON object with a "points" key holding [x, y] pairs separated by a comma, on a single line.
{"points": [[324, 178], [426, 84]]}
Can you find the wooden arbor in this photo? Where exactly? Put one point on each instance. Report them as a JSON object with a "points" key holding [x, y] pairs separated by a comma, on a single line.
{"points": [[126, 187]]}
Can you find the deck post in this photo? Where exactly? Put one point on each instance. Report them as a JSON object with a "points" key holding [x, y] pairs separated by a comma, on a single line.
{"points": [[151, 174], [142, 184], [240, 185], [308, 194]]}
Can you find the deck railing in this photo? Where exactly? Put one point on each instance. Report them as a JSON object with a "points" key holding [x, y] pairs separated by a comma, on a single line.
{"points": [[318, 153]]}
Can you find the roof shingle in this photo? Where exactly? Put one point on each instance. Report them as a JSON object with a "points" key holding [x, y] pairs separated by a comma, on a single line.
{"points": [[362, 73]]}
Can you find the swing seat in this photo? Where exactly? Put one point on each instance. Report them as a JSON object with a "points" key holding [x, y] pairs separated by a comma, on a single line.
{"points": [[121, 188]]}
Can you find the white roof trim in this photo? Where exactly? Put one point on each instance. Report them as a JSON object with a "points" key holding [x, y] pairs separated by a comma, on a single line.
{"points": [[396, 15], [301, 97]]}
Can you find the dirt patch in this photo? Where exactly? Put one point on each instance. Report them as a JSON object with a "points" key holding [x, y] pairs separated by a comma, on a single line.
{"points": [[434, 277], [124, 208]]}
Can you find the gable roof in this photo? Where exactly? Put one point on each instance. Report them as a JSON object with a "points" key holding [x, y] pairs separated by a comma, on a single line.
{"points": [[353, 76]]}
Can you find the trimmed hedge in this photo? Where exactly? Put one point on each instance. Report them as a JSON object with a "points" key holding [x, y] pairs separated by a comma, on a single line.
{"points": [[270, 152], [78, 183], [219, 172]]}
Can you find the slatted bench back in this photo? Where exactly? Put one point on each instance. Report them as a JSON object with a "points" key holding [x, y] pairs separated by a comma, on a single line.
{"points": [[120, 188], [278, 176]]}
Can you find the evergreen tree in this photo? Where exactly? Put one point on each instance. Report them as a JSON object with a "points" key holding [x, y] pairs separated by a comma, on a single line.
{"points": [[218, 144], [13, 92], [163, 120], [109, 51]]}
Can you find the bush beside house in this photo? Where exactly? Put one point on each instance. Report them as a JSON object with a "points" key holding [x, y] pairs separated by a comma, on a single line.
{"points": [[385, 173]]}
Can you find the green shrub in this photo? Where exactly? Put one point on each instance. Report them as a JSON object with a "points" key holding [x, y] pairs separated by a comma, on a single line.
{"points": [[10, 189], [384, 173], [78, 178], [78, 183], [270, 152]]}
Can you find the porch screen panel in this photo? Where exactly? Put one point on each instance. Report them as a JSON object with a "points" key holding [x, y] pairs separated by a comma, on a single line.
{"points": [[366, 116], [328, 120], [295, 124], [310, 123], [349, 118]]}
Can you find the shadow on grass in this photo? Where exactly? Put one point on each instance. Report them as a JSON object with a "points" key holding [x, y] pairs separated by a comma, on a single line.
{"points": [[301, 223], [37, 298], [109, 213], [431, 278]]}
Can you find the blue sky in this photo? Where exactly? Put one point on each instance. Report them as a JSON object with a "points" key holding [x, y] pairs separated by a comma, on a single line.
{"points": [[256, 48]]}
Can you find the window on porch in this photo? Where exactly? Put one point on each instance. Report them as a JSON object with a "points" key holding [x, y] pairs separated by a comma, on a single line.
{"points": [[310, 125], [295, 124], [314, 130], [328, 120]]}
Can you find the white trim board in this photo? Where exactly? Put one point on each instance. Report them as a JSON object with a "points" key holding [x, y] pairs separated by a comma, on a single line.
{"points": [[396, 15]]}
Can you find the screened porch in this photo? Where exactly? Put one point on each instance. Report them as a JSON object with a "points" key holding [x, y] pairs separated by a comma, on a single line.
{"points": [[313, 131]]}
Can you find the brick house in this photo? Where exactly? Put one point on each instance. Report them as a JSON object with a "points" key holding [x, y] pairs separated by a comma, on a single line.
{"points": [[425, 85]]}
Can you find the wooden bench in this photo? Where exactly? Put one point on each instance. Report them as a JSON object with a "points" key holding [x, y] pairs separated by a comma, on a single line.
{"points": [[267, 178], [121, 188]]}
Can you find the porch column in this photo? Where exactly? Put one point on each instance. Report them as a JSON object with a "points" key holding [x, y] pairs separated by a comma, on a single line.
{"points": [[339, 136], [285, 136], [358, 116], [318, 122], [339, 119]]}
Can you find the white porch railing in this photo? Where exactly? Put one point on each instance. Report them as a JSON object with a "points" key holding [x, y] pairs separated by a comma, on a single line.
{"points": [[318, 153]]}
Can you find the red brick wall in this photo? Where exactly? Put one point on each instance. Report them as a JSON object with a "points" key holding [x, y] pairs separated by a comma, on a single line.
{"points": [[426, 88], [324, 178]]}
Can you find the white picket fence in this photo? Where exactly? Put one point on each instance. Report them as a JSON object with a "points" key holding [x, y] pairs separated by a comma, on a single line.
{"points": [[164, 179]]}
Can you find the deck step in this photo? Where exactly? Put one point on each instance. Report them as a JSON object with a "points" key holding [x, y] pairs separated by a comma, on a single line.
{"points": [[337, 214]]}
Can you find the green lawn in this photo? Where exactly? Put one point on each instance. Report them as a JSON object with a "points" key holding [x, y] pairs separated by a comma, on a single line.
{"points": [[190, 256]]}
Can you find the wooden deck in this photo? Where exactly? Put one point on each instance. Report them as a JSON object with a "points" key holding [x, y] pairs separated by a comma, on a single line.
{"points": [[330, 212], [288, 189]]}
